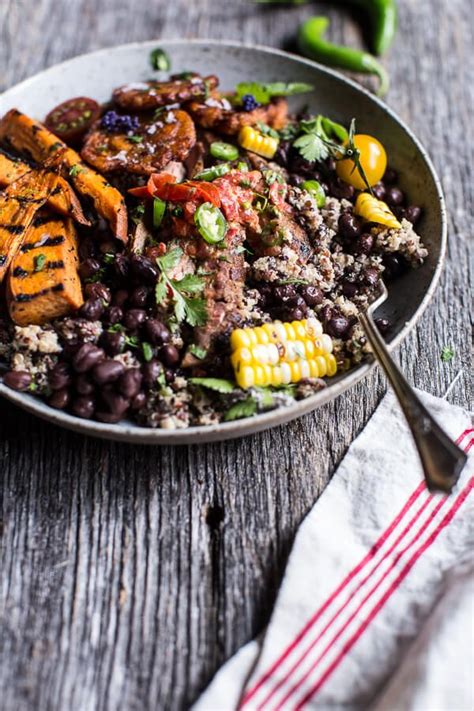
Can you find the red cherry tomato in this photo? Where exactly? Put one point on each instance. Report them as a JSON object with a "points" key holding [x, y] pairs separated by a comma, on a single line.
{"points": [[164, 186], [73, 118]]}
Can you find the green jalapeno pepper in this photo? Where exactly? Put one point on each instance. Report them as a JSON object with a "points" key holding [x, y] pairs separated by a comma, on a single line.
{"points": [[211, 223], [159, 207], [312, 43], [316, 191], [223, 151], [212, 173]]}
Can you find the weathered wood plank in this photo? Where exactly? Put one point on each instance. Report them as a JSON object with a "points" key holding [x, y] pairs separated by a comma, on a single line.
{"points": [[129, 573]]}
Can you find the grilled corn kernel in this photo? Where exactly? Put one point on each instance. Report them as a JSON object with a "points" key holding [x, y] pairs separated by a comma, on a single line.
{"points": [[253, 140], [373, 210], [279, 353]]}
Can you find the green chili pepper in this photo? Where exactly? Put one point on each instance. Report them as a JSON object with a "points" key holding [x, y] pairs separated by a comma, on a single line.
{"points": [[312, 43], [159, 207], [211, 223], [316, 191], [224, 151], [159, 60], [212, 173]]}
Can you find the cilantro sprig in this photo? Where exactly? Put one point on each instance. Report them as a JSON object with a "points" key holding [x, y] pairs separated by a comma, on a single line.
{"points": [[187, 306]]}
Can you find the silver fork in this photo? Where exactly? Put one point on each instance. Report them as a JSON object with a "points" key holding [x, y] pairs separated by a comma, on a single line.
{"points": [[442, 460]]}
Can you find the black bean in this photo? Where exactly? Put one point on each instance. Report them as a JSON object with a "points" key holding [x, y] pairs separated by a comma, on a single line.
{"points": [[115, 402], [143, 268], [134, 318], [390, 177], [108, 247], [298, 164], [331, 164], [122, 266], [170, 375], [17, 380], [350, 226], [88, 268], [295, 302], [379, 191], [60, 376], [113, 315], [110, 418], [312, 295], [83, 406], [60, 399], [87, 248], [169, 354], [394, 265], [337, 326], [326, 313], [383, 325], [120, 297], [365, 243], [140, 296], [83, 384], [130, 382], [349, 289], [107, 372], [370, 276], [295, 314], [413, 213], [98, 291], [156, 332], [394, 196], [341, 190], [151, 371], [87, 357], [92, 309], [281, 156], [113, 342], [138, 401], [285, 291], [296, 179]]}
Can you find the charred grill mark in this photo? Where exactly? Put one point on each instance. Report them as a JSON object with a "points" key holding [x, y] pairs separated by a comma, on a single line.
{"points": [[56, 190], [26, 200], [44, 220], [27, 298], [13, 229], [3, 259], [49, 242], [20, 273], [57, 264]]}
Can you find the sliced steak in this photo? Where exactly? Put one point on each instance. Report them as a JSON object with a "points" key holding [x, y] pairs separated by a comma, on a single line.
{"points": [[144, 96], [153, 146]]}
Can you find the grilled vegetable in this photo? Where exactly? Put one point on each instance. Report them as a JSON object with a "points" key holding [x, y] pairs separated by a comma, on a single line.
{"points": [[279, 353], [27, 135], [150, 148], [253, 140], [73, 118], [63, 199], [373, 210], [19, 203], [210, 222], [143, 96], [229, 122], [43, 282]]}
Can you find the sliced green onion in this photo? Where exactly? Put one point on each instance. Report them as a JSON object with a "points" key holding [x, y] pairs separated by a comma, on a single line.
{"points": [[216, 171], [159, 207], [224, 151], [316, 191], [243, 167], [211, 223], [159, 60]]}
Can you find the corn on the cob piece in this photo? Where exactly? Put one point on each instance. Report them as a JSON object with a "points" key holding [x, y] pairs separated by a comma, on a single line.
{"points": [[279, 353], [373, 210], [253, 140]]}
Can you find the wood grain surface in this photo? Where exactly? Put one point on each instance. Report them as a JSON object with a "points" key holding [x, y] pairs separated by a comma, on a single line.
{"points": [[129, 574]]}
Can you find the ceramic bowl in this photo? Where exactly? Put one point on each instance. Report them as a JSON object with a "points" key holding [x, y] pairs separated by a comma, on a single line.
{"points": [[96, 74]]}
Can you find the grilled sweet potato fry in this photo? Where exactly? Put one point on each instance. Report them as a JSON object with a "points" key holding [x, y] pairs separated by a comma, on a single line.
{"points": [[148, 95], [63, 198], [153, 146], [19, 203], [43, 282], [29, 136]]}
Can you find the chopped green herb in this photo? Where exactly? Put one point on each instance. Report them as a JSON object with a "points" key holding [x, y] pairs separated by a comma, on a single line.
{"points": [[241, 248], [243, 167], [320, 138], [220, 385], [116, 328], [177, 211], [135, 139], [132, 341], [186, 306], [39, 262], [447, 354], [75, 170], [161, 379], [147, 351], [159, 208], [159, 60], [197, 351], [273, 176], [246, 408], [109, 258], [137, 213], [267, 130], [292, 281]]}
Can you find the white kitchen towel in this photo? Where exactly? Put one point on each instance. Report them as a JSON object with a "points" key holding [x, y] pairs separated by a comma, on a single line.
{"points": [[376, 606]]}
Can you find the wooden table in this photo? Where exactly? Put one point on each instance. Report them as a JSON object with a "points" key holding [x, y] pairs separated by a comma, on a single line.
{"points": [[130, 573]]}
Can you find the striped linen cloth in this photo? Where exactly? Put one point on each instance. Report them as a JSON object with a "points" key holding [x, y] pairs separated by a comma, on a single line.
{"points": [[375, 611]]}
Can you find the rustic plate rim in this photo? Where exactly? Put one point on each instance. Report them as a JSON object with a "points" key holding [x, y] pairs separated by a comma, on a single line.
{"points": [[136, 434]]}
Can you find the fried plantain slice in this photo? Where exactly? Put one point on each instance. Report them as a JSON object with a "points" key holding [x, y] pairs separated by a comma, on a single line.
{"points": [[228, 121], [144, 96], [155, 143]]}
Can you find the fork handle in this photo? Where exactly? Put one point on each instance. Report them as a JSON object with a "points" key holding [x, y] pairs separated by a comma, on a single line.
{"points": [[441, 459]]}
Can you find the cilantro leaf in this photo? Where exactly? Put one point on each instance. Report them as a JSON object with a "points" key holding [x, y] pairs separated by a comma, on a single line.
{"points": [[220, 385], [161, 291], [312, 147], [246, 408], [195, 311], [190, 283], [39, 262], [197, 351], [258, 91], [186, 308], [279, 88], [170, 259], [147, 351]]}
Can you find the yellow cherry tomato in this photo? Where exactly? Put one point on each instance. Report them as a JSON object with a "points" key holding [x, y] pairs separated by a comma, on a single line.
{"points": [[373, 160]]}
